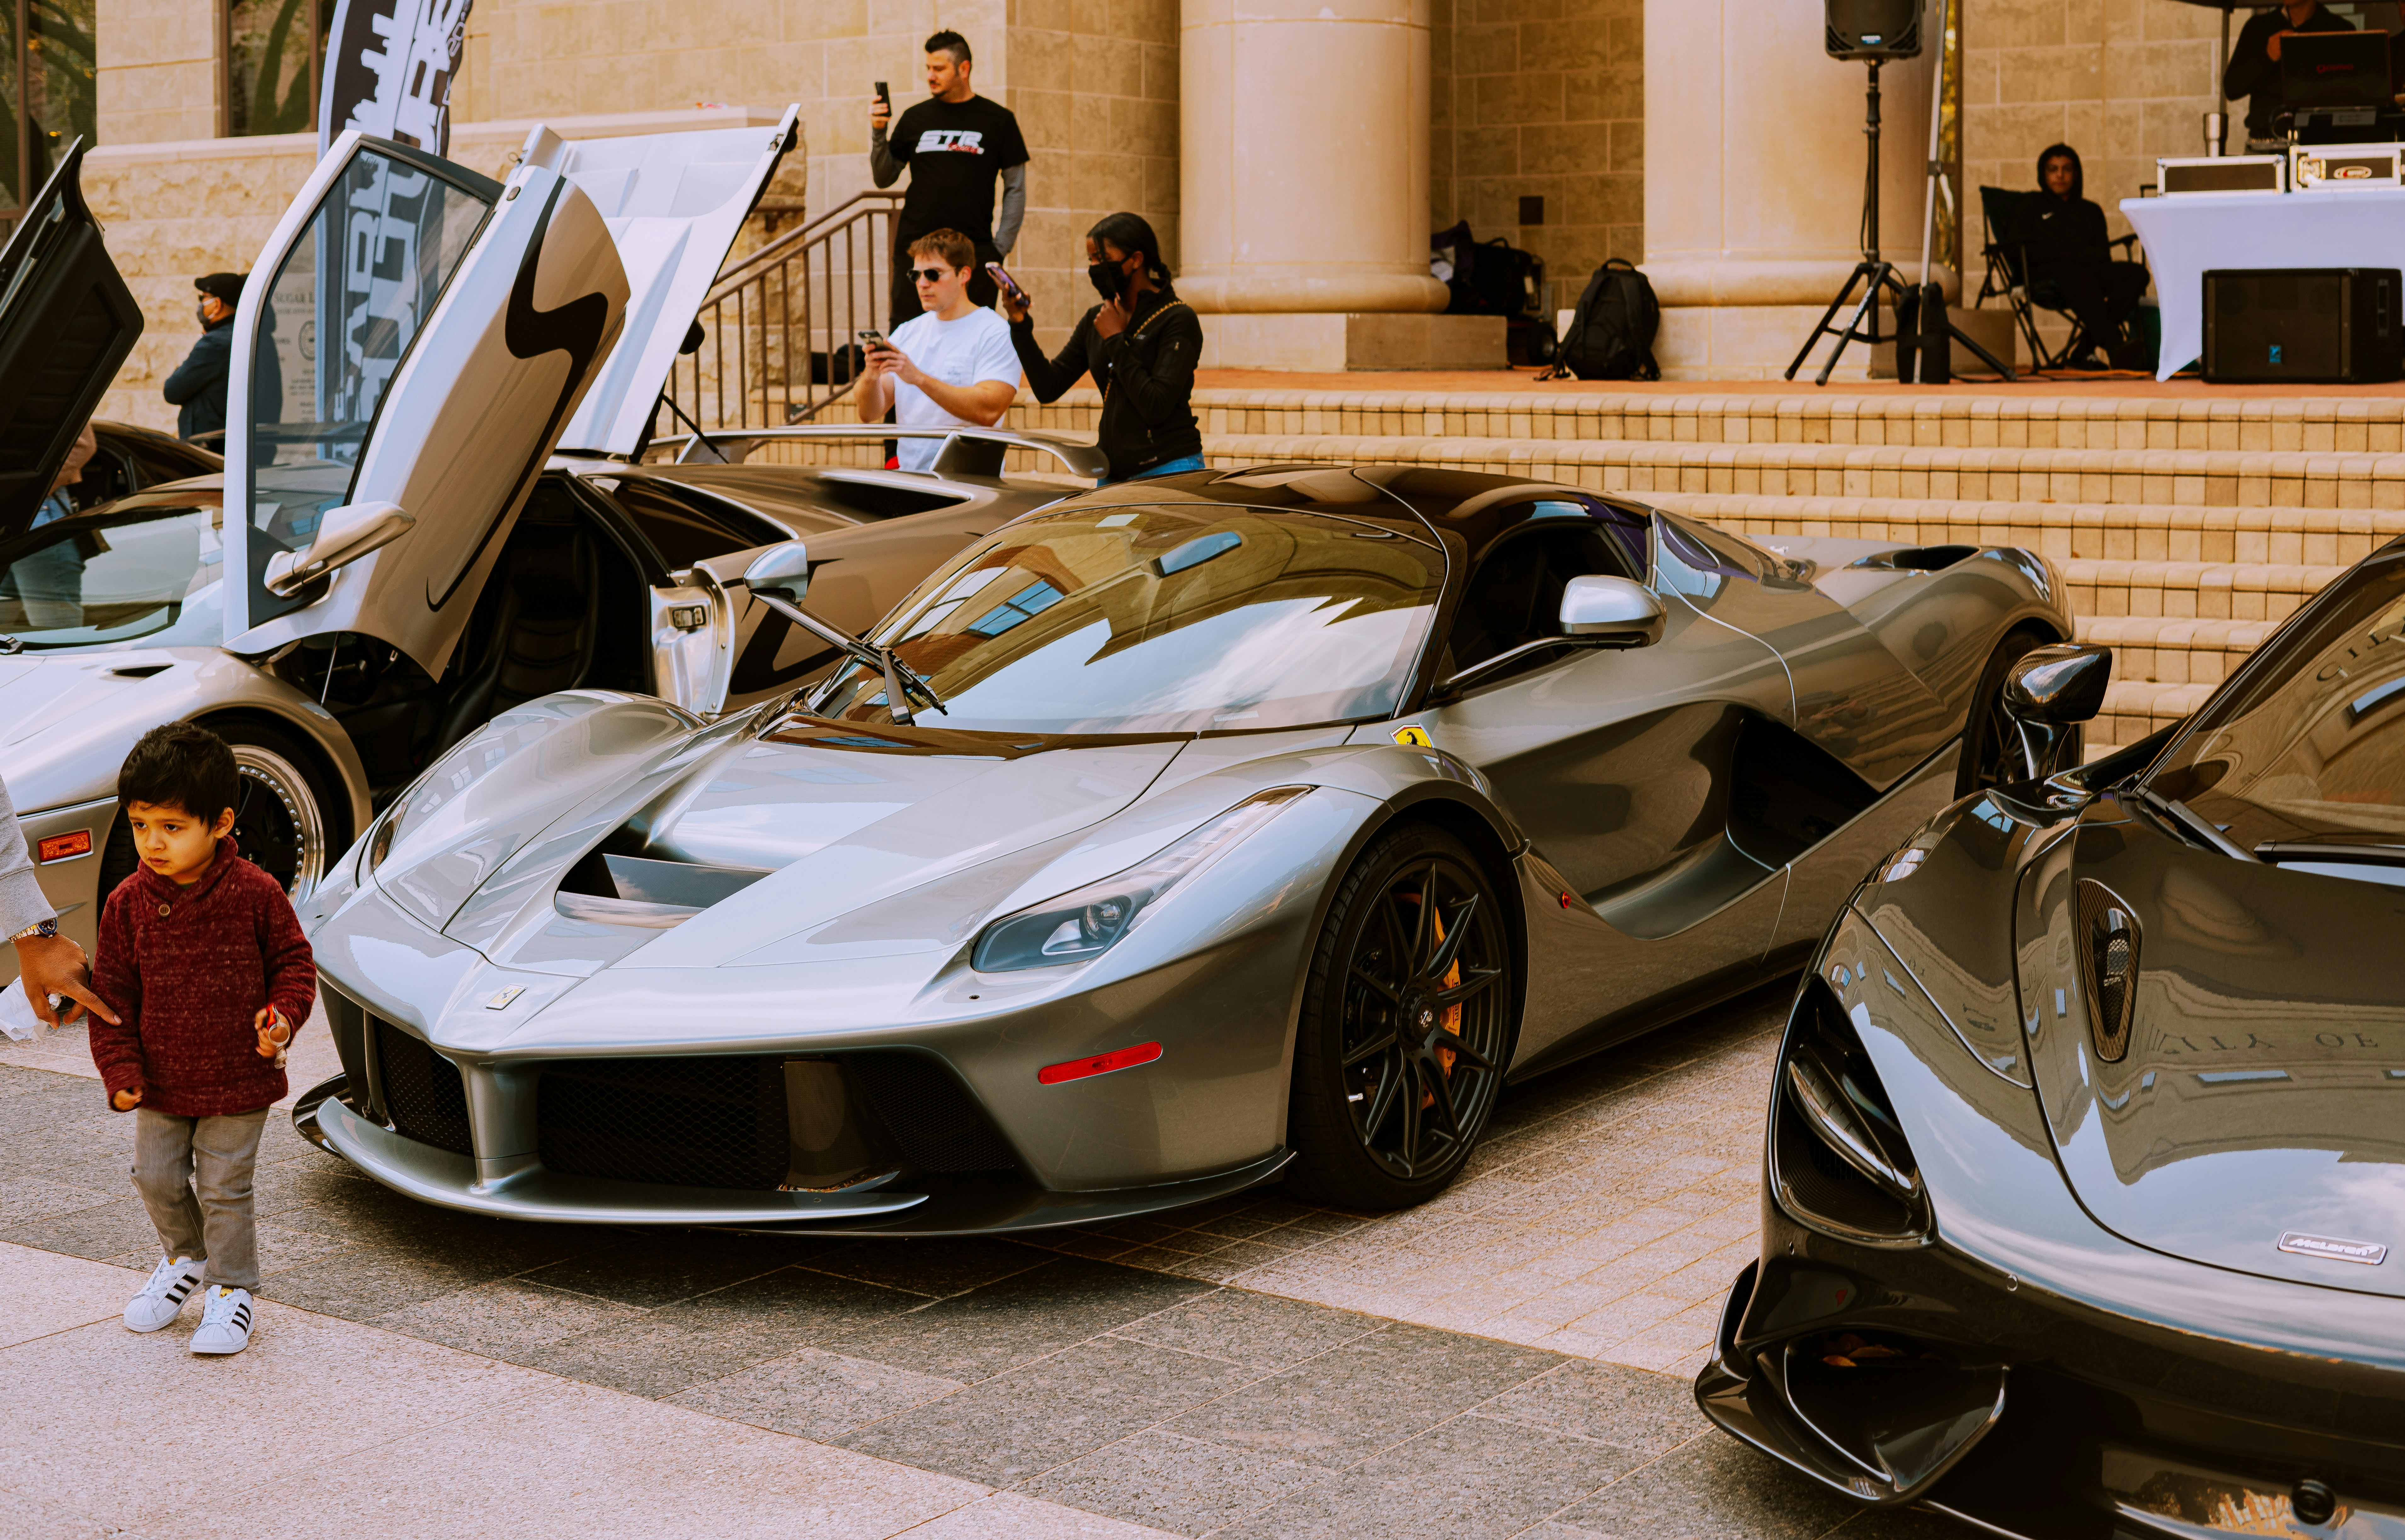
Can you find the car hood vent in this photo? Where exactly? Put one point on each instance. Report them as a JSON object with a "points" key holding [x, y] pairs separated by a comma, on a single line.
{"points": [[2219, 1047]]}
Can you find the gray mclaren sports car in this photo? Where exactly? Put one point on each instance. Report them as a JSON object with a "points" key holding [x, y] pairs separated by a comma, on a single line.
{"points": [[1182, 834], [2087, 1148]]}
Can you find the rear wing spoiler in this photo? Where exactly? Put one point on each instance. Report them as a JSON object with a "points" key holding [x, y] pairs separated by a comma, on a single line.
{"points": [[968, 451]]}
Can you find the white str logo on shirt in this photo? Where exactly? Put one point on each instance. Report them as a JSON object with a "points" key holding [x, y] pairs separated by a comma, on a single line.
{"points": [[956, 141]]}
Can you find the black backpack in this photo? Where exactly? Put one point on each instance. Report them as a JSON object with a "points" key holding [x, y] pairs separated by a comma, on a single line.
{"points": [[1611, 333]]}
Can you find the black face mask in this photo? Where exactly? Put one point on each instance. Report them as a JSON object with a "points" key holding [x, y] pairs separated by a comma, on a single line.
{"points": [[1109, 281]]}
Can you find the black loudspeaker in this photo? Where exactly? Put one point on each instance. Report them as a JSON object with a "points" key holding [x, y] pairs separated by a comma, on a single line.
{"points": [[2302, 326], [1874, 29]]}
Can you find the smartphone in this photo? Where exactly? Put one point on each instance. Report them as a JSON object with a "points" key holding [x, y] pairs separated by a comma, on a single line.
{"points": [[872, 338], [884, 99], [1005, 279]]}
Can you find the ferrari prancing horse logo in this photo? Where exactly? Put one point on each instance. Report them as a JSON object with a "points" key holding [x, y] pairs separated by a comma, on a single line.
{"points": [[1413, 738]]}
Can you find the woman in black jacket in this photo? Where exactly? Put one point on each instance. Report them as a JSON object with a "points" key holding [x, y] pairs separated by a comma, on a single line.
{"points": [[2067, 246], [1140, 345]]}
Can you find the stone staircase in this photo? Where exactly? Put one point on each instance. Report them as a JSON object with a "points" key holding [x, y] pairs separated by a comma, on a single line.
{"points": [[2188, 527]]}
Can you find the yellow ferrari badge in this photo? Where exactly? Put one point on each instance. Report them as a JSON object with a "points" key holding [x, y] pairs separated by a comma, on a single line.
{"points": [[1413, 738]]}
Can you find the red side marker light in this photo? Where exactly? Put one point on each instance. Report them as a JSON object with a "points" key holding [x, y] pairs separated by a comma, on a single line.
{"points": [[1100, 1064], [1566, 901], [61, 846]]}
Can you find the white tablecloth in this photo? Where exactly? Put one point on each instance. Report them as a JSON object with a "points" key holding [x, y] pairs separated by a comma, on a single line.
{"points": [[2187, 234]]}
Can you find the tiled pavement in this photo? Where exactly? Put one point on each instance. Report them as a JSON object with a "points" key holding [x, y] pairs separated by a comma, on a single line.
{"points": [[1491, 1363]]}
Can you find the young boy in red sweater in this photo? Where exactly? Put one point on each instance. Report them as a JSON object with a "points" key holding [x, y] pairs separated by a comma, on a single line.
{"points": [[204, 961]]}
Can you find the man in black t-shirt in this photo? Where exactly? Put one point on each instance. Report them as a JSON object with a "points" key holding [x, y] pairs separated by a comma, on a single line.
{"points": [[955, 142]]}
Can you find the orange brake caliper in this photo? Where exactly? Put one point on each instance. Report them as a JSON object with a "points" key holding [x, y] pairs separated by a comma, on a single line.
{"points": [[1452, 1013]]}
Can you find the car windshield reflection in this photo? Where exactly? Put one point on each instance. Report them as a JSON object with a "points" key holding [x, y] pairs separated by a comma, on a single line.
{"points": [[109, 579], [1163, 620], [2309, 746]]}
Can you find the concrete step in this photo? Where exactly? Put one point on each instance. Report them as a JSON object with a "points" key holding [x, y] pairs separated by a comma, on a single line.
{"points": [[2225, 479], [2124, 531], [2152, 649], [2209, 591], [2020, 419], [2133, 708]]}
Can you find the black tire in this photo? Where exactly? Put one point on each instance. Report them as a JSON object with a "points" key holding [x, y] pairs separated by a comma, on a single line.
{"points": [[1991, 745], [1396, 1069]]}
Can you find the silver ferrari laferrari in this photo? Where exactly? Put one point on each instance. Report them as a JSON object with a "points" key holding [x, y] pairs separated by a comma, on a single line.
{"points": [[1182, 834], [442, 386]]}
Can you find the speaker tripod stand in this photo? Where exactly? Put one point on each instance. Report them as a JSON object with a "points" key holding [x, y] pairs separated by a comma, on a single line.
{"points": [[1919, 311]]}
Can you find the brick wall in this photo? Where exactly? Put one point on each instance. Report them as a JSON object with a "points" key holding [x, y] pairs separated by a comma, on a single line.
{"points": [[1541, 98], [2121, 81]]}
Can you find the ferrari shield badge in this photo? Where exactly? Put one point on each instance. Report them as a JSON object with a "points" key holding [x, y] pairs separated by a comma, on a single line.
{"points": [[1413, 738]]}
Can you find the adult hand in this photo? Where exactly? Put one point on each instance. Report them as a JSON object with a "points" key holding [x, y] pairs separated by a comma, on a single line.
{"points": [[881, 113], [1110, 319], [2272, 47], [1014, 303], [55, 965], [902, 368], [125, 1102]]}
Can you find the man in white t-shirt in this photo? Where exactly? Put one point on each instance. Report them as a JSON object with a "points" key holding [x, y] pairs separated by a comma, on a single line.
{"points": [[950, 364]]}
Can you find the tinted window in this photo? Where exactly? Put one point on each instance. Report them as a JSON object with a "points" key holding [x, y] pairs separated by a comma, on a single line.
{"points": [[1516, 595], [115, 578], [2310, 744], [686, 526], [1110, 619]]}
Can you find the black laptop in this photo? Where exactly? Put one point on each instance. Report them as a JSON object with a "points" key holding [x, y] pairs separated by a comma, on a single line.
{"points": [[2335, 69]]}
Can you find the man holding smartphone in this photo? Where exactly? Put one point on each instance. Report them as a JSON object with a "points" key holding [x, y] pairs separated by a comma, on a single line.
{"points": [[950, 364], [955, 144]]}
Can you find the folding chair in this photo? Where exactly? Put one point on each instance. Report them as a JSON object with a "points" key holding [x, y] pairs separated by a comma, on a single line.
{"points": [[2010, 214]]}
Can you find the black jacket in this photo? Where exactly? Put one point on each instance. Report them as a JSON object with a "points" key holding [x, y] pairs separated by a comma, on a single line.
{"points": [[198, 386], [2253, 73], [1146, 374], [2066, 230]]}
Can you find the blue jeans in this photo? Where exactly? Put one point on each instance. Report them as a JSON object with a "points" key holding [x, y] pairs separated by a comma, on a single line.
{"points": [[1166, 468]]}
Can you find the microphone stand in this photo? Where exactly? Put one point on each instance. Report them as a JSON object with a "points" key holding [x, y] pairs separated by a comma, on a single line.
{"points": [[1880, 274], [1938, 329]]}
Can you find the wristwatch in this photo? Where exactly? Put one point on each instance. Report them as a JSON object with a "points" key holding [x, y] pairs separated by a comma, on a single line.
{"points": [[45, 929]]}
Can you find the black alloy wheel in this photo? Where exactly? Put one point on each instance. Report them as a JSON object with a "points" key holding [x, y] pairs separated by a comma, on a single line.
{"points": [[1991, 740], [1406, 1025]]}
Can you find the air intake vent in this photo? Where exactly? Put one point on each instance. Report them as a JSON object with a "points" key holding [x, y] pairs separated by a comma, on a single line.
{"points": [[702, 1122], [939, 1126], [422, 1090], [2108, 968]]}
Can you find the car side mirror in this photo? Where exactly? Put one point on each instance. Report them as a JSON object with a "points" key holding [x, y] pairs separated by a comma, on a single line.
{"points": [[2058, 686], [781, 569], [2047, 693], [1606, 612], [343, 536]]}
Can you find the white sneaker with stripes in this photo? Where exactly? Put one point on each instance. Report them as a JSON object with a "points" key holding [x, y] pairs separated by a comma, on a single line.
{"points": [[225, 1321], [162, 1299]]}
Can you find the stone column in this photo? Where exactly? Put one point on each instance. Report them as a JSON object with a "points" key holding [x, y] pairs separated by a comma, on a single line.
{"points": [[1304, 172], [1753, 180]]}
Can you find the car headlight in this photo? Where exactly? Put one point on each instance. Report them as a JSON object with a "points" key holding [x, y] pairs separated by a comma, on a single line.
{"points": [[1082, 924]]}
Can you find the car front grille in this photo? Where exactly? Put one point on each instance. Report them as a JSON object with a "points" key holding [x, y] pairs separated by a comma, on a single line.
{"points": [[721, 1121], [685, 1121], [423, 1093], [939, 1126]]}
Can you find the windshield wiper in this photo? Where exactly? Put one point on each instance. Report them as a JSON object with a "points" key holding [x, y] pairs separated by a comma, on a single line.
{"points": [[2192, 823], [899, 679]]}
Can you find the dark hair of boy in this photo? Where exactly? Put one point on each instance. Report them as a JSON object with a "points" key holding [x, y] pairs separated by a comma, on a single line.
{"points": [[181, 765], [947, 246], [952, 43]]}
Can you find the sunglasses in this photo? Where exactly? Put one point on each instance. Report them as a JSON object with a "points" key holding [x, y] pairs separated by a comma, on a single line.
{"points": [[931, 274]]}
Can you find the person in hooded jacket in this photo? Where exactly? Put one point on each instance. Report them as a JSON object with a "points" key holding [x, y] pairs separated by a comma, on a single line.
{"points": [[1140, 345], [2068, 247]]}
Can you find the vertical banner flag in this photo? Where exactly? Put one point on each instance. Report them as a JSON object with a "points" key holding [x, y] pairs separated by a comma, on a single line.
{"points": [[390, 64]]}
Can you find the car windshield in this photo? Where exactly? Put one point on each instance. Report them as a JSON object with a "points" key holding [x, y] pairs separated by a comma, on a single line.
{"points": [[1163, 620], [149, 576], [2309, 745]]}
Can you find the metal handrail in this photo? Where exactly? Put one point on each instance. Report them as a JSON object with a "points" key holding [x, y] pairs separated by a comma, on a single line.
{"points": [[823, 283]]}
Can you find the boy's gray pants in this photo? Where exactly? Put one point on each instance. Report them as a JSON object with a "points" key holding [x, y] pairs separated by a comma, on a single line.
{"points": [[193, 1174]]}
